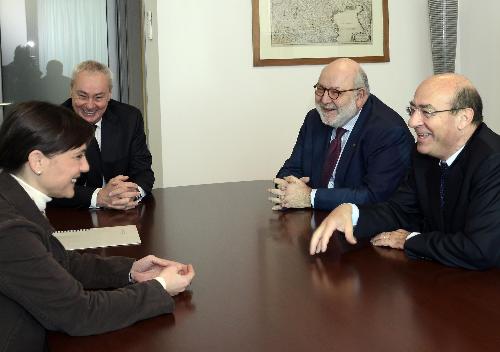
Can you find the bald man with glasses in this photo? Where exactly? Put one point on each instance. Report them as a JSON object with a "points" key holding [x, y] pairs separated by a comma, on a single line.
{"points": [[351, 148]]}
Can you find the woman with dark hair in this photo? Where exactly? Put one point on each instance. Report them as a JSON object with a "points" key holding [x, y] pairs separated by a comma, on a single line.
{"points": [[43, 286]]}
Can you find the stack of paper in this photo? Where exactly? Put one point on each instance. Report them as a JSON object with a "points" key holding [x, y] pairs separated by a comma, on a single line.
{"points": [[99, 237]]}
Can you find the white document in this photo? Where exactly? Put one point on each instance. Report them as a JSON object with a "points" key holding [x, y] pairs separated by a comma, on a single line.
{"points": [[99, 237]]}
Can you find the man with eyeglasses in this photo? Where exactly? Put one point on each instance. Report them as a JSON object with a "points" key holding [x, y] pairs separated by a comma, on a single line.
{"points": [[351, 148], [448, 207], [120, 172]]}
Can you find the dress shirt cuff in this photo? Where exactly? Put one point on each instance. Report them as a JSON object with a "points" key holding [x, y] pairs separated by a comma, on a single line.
{"points": [[413, 234], [93, 200], [162, 282], [142, 195], [130, 278], [355, 214], [313, 196]]}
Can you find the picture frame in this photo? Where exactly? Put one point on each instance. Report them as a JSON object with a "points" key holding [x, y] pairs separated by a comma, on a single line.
{"points": [[304, 32]]}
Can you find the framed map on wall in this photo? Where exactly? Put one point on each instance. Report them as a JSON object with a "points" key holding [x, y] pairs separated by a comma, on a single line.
{"points": [[309, 32]]}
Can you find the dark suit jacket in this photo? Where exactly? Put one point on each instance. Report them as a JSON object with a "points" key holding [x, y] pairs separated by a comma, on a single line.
{"points": [[123, 151], [44, 287], [376, 156], [467, 233]]}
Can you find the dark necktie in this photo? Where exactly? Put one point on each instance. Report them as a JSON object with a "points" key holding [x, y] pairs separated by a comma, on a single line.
{"points": [[442, 186], [94, 176], [332, 157]]}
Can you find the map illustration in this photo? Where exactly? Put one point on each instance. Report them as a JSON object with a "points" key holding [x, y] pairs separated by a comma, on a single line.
{"points": [[321, 22]]}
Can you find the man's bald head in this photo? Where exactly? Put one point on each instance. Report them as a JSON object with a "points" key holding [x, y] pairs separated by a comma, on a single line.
{"points": [[341, 92], [455, 89], [347, 71]]}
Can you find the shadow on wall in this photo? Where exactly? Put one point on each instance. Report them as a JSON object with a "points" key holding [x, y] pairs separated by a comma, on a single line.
{"points": [[22, 81]]}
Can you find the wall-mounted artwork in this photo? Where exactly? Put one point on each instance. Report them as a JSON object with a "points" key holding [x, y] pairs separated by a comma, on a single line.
{"points": [[308, 32]]}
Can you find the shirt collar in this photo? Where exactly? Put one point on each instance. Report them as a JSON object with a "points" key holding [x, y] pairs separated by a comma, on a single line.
{"points": [[452, 158], [40, 199]]}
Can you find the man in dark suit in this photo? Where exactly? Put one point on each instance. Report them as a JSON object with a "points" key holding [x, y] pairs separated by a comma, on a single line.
{"points": [[370, 141], [448, 207], [120, 162]]}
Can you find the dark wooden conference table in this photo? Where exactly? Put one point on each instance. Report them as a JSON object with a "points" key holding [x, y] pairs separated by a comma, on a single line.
{"points": [[257, 288]]}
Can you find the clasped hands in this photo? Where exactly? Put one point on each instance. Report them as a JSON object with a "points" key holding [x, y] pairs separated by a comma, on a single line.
{"points": [[291, 192], [118, 193], [177, 276], [340, 219]]}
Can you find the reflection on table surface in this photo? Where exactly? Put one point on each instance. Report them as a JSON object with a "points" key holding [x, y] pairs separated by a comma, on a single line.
{"points": [[258, 289]]}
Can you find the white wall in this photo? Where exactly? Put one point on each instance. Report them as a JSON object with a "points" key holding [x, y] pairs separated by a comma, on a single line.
{"points": [[223, 119], [478, 53], [152, 93]]}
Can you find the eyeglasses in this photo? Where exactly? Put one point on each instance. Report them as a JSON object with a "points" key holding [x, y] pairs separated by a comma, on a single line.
{"points": [[333, 93], [427, 113]]}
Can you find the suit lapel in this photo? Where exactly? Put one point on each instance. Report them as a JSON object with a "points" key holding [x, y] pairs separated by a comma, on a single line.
{"points": [[456, 177], [433, 181], [108, 130], [320, 146]]}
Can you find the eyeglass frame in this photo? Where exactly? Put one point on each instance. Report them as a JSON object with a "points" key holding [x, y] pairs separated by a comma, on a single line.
{"points": [[336, 91], [410, 110]]}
